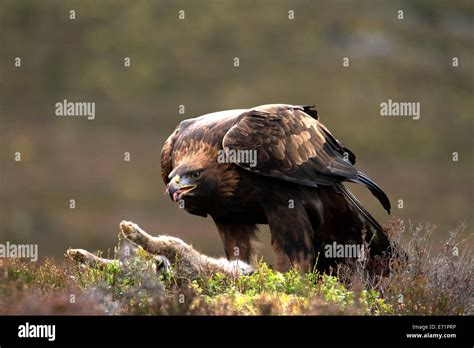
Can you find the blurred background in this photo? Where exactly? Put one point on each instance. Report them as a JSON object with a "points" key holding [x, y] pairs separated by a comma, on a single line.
{"points": [[190, 62]]}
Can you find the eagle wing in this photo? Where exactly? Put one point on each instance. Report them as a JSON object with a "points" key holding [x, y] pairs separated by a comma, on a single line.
{"points": [[291, 145]]}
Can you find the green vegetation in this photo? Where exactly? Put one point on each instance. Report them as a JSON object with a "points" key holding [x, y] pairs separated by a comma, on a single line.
{"points": [[139, 290], [270, 292], [440, 283]]}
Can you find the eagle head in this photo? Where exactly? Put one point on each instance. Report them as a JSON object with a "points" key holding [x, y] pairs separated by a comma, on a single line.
{"points": [[188, 183], [199, 185]]}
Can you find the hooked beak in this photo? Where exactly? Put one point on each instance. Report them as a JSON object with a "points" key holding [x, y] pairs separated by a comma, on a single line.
{"points": [[178, 188]]}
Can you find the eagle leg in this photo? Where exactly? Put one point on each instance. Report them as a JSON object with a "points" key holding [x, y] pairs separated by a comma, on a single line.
{"points": [[292, 237], [240, 241]]}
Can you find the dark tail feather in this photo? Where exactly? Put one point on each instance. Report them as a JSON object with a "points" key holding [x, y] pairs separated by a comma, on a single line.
{"points": [[381, 249], [374, 188], [355, 202]]}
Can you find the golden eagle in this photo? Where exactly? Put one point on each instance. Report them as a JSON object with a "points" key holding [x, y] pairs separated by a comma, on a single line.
{"points": [[273, 164]]}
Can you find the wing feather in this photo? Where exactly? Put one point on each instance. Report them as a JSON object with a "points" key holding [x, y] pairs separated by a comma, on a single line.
{"points": [[290, 145]]}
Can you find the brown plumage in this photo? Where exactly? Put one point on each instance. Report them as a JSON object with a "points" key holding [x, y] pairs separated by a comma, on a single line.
{"points": [[294, 185]]}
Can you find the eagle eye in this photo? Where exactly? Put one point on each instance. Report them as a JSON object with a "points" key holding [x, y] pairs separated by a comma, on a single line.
{"points": [[195, 175]]}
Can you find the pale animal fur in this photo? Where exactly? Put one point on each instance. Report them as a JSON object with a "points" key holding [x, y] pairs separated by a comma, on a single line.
{"points": [[187, 261]]}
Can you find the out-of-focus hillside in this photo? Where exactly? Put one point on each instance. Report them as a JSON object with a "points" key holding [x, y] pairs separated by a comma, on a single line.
{"points": [[190, 62]]}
